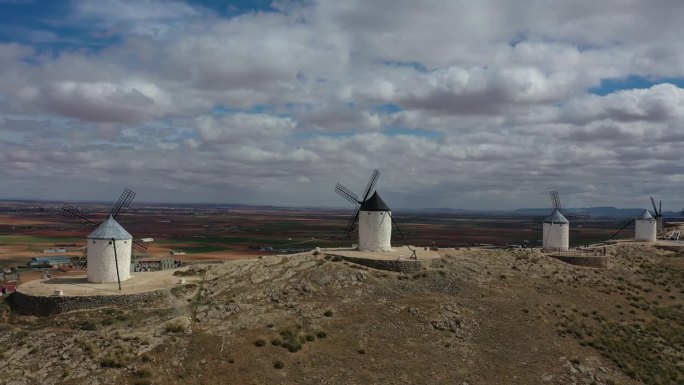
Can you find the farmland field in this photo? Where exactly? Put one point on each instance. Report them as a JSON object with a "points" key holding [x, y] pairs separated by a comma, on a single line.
{"points": [[227, 232]]}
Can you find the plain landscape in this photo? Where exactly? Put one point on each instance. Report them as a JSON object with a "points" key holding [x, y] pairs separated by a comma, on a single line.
{"points": [[476, 315]]}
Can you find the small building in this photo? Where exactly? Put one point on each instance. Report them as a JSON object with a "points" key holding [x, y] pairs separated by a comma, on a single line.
{"points": [[375, 225], [51, 261], [556, 232], [645, 227], [109, 249]]}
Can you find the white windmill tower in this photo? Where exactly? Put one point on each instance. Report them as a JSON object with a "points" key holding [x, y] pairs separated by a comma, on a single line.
{"points": [[373, 215], [645, 227], [556, 232], [109, 253], [375, 225]]}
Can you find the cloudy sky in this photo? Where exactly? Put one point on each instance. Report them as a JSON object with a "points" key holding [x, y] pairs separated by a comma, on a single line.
{"points": [[466, 104]]}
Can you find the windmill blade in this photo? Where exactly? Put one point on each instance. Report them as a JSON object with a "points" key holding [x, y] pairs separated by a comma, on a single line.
{"points": [[660, 208], [82, 261], [352, 225], [655, 209], [121, 206], [140, 246], [578, 214], [555, 200], [371, 184], [74, 213], [347, 194]]}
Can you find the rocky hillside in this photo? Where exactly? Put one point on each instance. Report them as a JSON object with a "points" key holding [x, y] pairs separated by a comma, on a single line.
{"points": [[472, 317]]}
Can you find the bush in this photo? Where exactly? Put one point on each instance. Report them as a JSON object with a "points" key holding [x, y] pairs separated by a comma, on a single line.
{"points": [[174, 327], [361, 351], [321, 334], [328, 313], [144, 373], [276, 342], [310, 337], [292, 346], [114, 361], [278, 364], [259, 343]]}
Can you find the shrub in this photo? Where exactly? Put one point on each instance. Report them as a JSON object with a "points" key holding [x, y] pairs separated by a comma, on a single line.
{"points": [[259, 343], [114, 361], [361, 351], [321, 334], [276, 342], [328, 313], [174, 327], [144, 373], [278, 364], [310, 337], [292, 346]]}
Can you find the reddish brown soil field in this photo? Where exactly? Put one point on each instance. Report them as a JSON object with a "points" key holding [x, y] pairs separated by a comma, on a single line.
{"points": [[213, 232]]}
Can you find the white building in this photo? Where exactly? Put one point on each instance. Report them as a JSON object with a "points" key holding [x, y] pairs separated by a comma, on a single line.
{"points": [[102, 265], [556, 232], [375, 225], [645, 227]]}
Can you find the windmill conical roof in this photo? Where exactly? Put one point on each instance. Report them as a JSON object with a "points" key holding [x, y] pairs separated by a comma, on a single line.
{"points": [[645, 216], [556, 217], [110, 229], [374, 203]]}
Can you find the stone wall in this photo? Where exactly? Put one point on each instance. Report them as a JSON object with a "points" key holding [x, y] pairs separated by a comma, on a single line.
{"points": [[406, 266], [599, 261], [44, 305]]}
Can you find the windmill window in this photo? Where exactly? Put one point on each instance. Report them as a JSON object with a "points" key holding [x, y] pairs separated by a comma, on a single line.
{"points": [[110, 242]]}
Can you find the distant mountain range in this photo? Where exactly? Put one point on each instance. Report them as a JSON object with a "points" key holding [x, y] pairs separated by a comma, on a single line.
{"points": [[595, 212]]}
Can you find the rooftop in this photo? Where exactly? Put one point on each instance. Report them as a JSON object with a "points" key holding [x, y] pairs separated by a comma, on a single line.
{"points": [[110, 229]]}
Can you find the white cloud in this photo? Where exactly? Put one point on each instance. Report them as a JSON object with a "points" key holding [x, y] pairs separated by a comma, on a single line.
{"points": [[462, 103]]}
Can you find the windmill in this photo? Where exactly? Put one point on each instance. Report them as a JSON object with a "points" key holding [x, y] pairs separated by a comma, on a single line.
{"points": [[577, 214], [372, 216], [109, 243], [644, 229], [556, 232], [658, 215], [119, 208]]}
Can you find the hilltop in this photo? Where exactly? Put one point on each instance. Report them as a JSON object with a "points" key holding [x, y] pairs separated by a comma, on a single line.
{"points": [[472, 317]]}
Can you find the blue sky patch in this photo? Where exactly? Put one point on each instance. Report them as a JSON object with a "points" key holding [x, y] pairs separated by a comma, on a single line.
{"points": [[608, 86], [388, 108], [420, 132], [234, 7]]}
